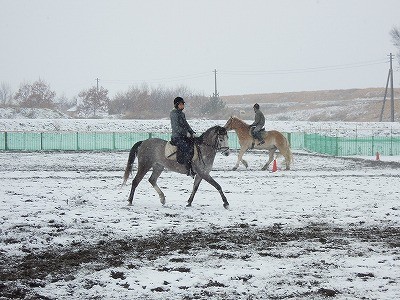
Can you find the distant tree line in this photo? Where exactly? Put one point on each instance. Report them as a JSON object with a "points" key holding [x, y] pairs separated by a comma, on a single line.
{"points": [[395, 33], [142, 102]]}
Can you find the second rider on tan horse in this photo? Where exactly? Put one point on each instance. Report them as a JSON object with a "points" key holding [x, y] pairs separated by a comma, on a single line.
{"points": [[258, 124]]}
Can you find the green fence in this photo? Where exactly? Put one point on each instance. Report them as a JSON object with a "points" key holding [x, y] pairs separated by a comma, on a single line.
{"points": [[81, 141], [345, 146], [76, 141], [123, 141]]}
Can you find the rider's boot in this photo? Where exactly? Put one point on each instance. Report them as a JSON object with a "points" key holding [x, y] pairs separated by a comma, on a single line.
{"points": [[189, 170]]}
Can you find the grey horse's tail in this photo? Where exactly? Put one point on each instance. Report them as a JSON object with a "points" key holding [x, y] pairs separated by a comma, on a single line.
{"points": [[131, 160]]}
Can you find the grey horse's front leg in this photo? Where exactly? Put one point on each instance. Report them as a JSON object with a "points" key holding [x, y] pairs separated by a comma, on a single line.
{"points": [[215, 184], [196, 184]]}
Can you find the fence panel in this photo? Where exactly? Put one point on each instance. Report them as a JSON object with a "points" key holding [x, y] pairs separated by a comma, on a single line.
{"points": [[296, 139], [30, 141], [59, 141], [125, 140]]}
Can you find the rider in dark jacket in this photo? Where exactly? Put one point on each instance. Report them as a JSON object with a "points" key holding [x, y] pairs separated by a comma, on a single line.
{"points": [[182, 135], [258, 124]]}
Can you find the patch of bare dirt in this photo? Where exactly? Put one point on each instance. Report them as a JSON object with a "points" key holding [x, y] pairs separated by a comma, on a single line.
{"points": [[20, 275]]}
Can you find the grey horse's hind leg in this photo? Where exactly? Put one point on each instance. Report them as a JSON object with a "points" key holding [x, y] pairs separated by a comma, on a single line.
{"points": [[157, 170], [135, 182], [271, 158]]}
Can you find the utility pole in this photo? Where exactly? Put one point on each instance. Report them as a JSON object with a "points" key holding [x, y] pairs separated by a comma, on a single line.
{"points": [[391, 89], [97, 80], [390, 78], [97, 97], [215, 104], [216, 95]]}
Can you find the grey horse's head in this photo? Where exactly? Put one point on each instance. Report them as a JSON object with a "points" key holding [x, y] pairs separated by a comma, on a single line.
{"points": [[217, 138]]}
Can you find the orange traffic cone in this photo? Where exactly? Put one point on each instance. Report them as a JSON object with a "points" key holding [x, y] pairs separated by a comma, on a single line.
{"points": [[274, 166], [377, 156]]}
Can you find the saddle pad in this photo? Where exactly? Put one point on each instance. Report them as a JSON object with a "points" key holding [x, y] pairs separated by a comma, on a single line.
{"points": [[170, 152]]}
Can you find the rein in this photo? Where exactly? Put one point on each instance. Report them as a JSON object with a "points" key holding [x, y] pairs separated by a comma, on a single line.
{"points": [[215, 146]]}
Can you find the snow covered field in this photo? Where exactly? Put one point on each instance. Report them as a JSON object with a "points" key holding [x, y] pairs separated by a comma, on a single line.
{"points": [[116, 125], [330, 227]]}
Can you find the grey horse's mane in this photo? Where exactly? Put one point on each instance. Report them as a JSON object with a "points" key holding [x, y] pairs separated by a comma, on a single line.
{"points": [[218, 129]]}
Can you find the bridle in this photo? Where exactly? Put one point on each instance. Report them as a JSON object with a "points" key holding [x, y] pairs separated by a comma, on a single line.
{"points": [[216, 146]]}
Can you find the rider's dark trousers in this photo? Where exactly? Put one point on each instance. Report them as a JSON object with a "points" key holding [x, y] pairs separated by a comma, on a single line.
{"points": [[185, 150], [257, 135]]}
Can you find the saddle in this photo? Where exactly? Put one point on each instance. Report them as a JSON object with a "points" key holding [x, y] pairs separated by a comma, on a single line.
{"points": [[171, 152], [254, 138]]}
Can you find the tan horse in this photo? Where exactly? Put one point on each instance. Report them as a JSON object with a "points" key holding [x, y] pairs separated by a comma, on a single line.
{"points": [[274, 140]]}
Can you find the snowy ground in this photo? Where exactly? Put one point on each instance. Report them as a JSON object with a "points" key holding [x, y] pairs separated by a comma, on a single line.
{"points": [[329, 227]]}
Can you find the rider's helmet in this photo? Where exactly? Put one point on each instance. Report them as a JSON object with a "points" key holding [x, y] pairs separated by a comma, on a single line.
{"points": [[178, 100], [256, 106]]}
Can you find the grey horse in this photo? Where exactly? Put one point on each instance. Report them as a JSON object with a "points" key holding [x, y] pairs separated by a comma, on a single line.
{"points": [[151, 154]]}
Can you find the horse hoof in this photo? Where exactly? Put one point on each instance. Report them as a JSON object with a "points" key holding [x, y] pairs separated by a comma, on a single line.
{"points": [[162, 201], [129, 204], [189, 205], [226, 205], [234, 168]]}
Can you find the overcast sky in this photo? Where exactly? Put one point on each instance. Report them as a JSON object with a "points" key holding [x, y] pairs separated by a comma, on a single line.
{"points": [[256, 46]]}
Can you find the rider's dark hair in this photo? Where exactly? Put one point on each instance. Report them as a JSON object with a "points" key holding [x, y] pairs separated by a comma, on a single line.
{"points": [[178, 100]]}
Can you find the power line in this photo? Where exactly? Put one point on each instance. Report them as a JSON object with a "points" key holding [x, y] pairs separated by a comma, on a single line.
{"points": [[248, 73], [305, 70], [155, 80]]}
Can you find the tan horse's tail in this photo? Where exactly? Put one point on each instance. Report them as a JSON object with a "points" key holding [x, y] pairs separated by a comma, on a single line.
{"points": [[289, 154], [286, 152], [131, 160]]}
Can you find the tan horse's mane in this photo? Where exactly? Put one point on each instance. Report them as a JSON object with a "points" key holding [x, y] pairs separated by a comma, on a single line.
{"points": [[237, 119]]}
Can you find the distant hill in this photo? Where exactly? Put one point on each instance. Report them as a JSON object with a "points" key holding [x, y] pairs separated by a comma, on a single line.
{"points": [[362, 105]]}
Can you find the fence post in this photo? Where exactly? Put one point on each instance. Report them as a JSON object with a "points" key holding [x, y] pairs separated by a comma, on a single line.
{"points": [[356, 142], [77, 141], [337, 144], [391, 141], [372, 146]]}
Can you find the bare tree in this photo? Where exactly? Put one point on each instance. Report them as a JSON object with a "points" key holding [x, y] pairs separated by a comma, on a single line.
{"points": [[37, 95], [395, 33], [5, 94], [93, 101]]}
